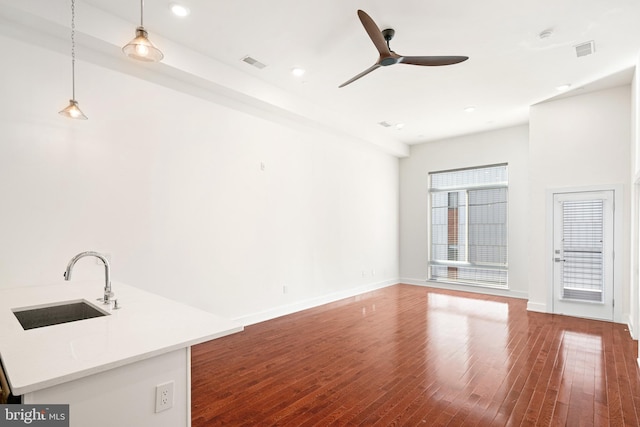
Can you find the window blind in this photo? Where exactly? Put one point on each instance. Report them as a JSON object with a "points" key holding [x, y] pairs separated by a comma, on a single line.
{"points": [[582, 245]]}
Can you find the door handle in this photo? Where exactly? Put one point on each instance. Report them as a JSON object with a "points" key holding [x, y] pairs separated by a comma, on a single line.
{"points": [[559, 260]]}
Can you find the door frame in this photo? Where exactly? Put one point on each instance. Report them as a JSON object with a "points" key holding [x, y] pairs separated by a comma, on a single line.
{"points": [[617, 243]]}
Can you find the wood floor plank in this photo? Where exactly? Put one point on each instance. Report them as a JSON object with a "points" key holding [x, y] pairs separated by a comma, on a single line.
{"points": [[417, 356]]}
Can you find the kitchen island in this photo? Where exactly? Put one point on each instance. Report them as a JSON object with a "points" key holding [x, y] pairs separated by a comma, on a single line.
{"points": [[106, 368]]}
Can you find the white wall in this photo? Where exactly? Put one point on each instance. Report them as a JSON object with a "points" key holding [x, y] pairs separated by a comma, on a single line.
{"points": [[634, 318], [172, 187], [577, 142], [509, 145]]}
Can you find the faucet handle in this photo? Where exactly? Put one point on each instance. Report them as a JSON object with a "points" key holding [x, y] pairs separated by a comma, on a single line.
{"points": [[107, 298]]}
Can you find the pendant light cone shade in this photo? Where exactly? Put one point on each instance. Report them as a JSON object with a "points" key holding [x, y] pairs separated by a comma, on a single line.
{"points": [[142, 49], [72, 111]]}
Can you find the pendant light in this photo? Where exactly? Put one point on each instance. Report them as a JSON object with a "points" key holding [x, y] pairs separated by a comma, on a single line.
{"points": [[72, 111], [140, 47]]}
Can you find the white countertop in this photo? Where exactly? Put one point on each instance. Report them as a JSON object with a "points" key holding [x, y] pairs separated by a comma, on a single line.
{"points": [[145, 326]]}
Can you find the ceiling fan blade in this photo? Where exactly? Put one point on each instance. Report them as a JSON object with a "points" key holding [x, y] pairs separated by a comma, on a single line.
{"points": [[364, 73], [432, 60], [374, 33]]}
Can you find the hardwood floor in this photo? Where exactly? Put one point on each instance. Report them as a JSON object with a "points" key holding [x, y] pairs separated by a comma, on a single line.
{"points": [[416, 356]]}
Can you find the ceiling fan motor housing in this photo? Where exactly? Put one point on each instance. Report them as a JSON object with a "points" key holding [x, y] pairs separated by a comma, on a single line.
{"points": [[388, 61]]}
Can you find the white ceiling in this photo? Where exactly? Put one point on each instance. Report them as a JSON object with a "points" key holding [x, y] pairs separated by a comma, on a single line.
{"points": [[510, 66]]}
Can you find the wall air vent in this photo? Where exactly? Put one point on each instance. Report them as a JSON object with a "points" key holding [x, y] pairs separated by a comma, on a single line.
{"points": [[252, 61], [584, 49]]}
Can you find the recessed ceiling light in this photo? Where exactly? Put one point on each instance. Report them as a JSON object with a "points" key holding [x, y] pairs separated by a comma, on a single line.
{"points": [[297, 71], [399, 126], [179, 10], [563, 87], [469, 109]]}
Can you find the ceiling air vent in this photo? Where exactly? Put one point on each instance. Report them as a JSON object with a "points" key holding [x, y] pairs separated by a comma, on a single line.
{"points": [[385, 124], [252, 61], [584, 49]]}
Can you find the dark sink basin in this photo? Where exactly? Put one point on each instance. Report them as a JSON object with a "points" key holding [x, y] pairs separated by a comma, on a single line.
{"points": [[64, 312]]}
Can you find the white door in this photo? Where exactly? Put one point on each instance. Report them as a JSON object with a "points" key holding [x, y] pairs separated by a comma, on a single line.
{"points": [[583, 254]]}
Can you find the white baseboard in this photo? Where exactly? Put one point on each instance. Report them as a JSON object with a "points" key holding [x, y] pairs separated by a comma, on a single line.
{"points": [[537, 307], [273, 313], [466, 288], [416, 282], [631, 327]]}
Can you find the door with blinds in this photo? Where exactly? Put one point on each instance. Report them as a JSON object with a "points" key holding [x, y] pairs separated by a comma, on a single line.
{"points": [[583, 254]]}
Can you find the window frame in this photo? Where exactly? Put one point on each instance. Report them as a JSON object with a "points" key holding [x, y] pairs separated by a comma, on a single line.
{"points": [[467, 264]]}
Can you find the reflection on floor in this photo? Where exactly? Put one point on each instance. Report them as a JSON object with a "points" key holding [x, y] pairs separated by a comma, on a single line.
{"points": [[409, 355]]}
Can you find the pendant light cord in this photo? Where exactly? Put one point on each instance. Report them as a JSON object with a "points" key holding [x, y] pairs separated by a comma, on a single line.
{"points": [[73, 49], [141, 13]]}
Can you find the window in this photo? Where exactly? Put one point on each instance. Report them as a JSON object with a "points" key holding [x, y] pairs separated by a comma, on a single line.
{"points": [[583, 250], [469, 226]]}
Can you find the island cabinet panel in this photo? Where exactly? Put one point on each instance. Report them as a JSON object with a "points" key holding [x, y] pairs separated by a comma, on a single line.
{"points": [[126, 395]]}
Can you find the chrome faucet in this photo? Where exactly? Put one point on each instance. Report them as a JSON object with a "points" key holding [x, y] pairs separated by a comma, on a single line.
{"points": [[107, 273]]}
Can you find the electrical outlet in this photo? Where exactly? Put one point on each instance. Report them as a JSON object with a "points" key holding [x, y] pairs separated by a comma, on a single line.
{"points": [[164, 396]]}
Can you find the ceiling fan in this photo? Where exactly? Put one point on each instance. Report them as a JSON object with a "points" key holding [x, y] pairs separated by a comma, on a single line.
{"points": [[388, 57]]}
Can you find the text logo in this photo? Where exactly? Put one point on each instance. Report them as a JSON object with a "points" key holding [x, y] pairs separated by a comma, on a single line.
{"points": [[34, 415]]}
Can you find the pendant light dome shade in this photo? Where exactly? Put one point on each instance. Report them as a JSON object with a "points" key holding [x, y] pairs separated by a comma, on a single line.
{"points": [[141, 48], [72, 111]]}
